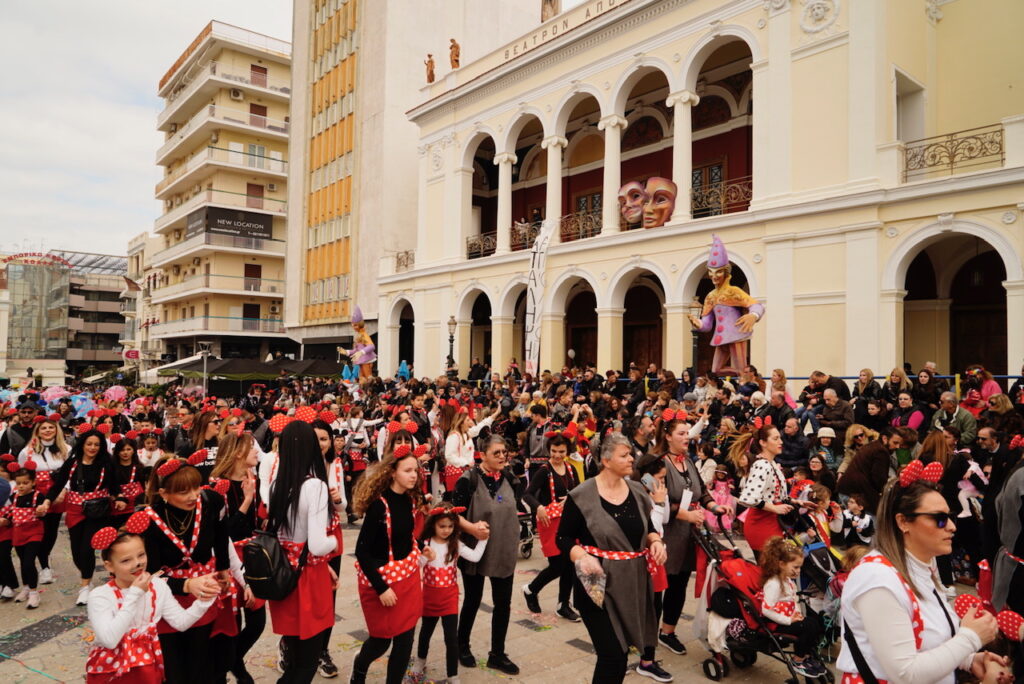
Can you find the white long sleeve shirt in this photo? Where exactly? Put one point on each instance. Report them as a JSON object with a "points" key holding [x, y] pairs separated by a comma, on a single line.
{"points": [[458, 448], [441, 550], [110, 624], [309, 522]]}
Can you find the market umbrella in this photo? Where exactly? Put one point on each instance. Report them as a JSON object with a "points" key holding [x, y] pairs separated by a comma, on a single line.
{"points": [[311, 368]]}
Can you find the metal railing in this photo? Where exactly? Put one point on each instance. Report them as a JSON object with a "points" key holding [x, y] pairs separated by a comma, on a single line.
{"points": [[524, 234], [270, 245], [215, 281], [227, 73], [954, 152], [222, 115], [219, 324], [225, 197], [405, 261], [482, 245], [726, 197], [579, 225], [222, 155]]}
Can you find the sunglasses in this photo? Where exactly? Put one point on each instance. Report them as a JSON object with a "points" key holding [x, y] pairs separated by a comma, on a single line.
{"points": [[859, 436], [941, 519], [216, 421]]}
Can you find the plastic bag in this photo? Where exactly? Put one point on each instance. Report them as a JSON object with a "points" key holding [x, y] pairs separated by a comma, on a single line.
{"points": [[593, 584]]}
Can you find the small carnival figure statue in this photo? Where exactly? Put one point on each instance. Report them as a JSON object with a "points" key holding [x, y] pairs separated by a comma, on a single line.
{"points": [[363, 352], [723, 314]]}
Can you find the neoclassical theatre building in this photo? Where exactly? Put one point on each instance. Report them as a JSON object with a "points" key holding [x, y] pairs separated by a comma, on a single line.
{"points": [[862, 160]]}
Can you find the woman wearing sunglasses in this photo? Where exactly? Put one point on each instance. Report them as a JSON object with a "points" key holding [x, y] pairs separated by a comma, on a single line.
{"points": [[898, 624], [202, 435]]}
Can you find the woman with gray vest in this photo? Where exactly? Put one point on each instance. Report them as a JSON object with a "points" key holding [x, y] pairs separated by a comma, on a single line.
{"points": [[606, 530], [490, 493]]}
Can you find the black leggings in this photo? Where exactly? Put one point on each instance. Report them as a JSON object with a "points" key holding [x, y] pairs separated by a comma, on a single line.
{"points": [[501, 598], [450, 626], [375, 647], [255, 622], [808, 633], [8, 578], [335, 563], [82, 553], [611, 658], [195, 657], [27, 554], [51, 525], [675, 597], [303, 658], [558, 567]]}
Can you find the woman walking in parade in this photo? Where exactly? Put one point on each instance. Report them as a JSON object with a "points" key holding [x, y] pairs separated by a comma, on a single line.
{"points": [[47, 449], [202, 436], [128, 484], [765, 492], [336, 489]]}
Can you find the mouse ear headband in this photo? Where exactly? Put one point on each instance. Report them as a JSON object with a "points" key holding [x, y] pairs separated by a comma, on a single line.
{"points": [[918, 471]]}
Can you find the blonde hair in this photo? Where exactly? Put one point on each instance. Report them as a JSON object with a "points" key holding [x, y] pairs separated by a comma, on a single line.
{"points": [[871, 378], [36, 444], [230, 448], [905, 384], [1003, 404]]}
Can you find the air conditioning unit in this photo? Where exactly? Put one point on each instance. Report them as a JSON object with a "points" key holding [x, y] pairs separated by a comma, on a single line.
{"points": [[214, 137], [195, 261], [174, 128], [275, 309], [237, 95], [272, 187]]}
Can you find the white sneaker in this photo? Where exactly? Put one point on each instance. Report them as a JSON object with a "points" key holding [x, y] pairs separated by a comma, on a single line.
{"points": [[83, 596], [951, 591], [46, 576], [6, 593], [22, 595], [33, 600]]}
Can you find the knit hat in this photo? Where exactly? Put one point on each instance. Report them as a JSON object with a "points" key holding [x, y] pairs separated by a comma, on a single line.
{"points": [[826, 432]]}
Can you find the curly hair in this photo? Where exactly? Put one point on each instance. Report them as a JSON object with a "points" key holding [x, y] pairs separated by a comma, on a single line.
{"points": [[377, 479], [430, 531], [776, 552]]}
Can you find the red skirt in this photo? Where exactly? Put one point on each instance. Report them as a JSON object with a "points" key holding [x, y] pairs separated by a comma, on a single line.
{"points": [[759, 527], [548, 533], [147, 674], [387, 623], [309, 609], [220, 614], [6, 533], [440, 601], [73, 514], [27, 533]]}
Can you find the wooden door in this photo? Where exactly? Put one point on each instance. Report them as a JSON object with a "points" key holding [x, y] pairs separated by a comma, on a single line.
{"points": [[583, 340], [254, 195], [258, 115], [253, 276], [641, 344], [258, 75], [250, 316]]}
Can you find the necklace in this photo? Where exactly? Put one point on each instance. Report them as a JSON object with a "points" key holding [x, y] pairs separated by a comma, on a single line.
{"points": [[179, 527]]}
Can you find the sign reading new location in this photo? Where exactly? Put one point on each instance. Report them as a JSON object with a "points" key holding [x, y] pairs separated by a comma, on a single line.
{"points": [[229, 222]]}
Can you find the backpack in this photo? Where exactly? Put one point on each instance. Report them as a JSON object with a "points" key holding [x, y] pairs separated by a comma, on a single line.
{"points": [[266, 567]]}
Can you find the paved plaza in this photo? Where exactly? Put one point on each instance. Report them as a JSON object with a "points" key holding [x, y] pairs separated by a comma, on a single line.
{"points": [[51, 643]]}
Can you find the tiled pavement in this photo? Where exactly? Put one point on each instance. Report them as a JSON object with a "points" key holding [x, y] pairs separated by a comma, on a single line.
{"points": [[51, 643]]}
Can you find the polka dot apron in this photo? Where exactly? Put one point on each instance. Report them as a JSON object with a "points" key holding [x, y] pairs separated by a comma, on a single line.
{"points": [[137, 648], [403, 578]]}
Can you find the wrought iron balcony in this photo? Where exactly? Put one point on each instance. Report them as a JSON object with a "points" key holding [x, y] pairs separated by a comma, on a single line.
{"points": [[482, 245], [722, 198], [943, 155], [524, 235], [580, 225]]}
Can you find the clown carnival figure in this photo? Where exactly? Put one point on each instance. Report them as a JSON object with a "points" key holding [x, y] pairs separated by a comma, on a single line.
{"points": [[723, 314], [363, 352]]}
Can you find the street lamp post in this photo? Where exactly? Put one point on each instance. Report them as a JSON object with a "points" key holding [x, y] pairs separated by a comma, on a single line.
{"points": [[695, 308], [452, 325], [204, 350]]}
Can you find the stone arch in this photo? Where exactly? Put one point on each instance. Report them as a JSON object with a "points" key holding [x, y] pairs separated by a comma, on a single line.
{"points": [[578, 93], [744, 104], [557, 295], [478, 136], [521, 118], [641, 112], [576, 139], [526, 163], [712, 90], [623, 280], [396, 308], [696, 269], [466, 299], [506, 306], [635, 72], [715, 39]]}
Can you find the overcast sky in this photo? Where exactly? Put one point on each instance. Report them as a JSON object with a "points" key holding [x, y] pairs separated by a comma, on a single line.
{"points": [[78, 112]]}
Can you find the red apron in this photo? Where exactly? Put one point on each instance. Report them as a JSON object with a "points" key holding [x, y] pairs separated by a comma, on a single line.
{"points": [[130, 491], [44, 480], [222, 612], [137, 659], [450, 475], [440, 591], [549, 532], [358, 460], [403, 578], [73, 500], [309, 609], [26, 527]]}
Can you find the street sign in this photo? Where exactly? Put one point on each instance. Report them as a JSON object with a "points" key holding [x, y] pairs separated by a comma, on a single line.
{"points": [[130, 355]]}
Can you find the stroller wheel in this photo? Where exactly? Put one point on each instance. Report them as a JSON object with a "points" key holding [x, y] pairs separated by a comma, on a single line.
{"points": [[742, 658], [712, 669], [526, 550]]}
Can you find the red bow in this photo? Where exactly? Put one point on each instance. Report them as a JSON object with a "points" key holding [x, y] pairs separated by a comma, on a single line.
{"points": [[401, 451], [83, 428], [410, 426], [104, 538], [198, 457], [7, 458], [669, 414], [916, 470], [494, 476], [439, 510], [394, 427], [116, 437], [55, 417], [222, 487], [420, 450], [169, 467], [133, 434], [104, 428], [13, 467], [138, 523], [1017, 442], [761, 422], [1011, 624]]}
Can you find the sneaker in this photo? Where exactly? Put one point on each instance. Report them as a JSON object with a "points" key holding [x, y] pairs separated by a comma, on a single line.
{"points": [[532, 602], [33, 600], [951, 591], [83, 596], [326, 667], [419, 666], [6, 593], [672, 643], [568, 613], [282, 656], [466, 657], [806, 667], [501, 663], [46, 576], [22, 595], [654, 671]]}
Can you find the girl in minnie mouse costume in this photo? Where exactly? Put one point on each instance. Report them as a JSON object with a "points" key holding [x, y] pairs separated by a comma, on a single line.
{"points": [[128, 484], [125, 611], [27, 529], [48, 451]]}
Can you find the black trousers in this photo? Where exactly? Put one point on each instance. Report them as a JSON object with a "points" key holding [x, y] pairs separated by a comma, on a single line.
{"points": [[558, 568], [675, 597], [450, 627], [51, 526], [82, 553], [8, 578], [808, 633], [27, 554], [610, 667], [303, 658], [194, 657], [375, 647], [255, 621], [501, 598]]}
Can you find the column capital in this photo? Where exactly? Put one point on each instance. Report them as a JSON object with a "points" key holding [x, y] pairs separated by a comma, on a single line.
{"points": [[505, 158], [555, 141], [1014, 286], [502, 320], [682, 97], [610, 311], [612, 121]]}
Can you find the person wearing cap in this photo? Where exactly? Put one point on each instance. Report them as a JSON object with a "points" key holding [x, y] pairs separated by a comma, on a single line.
{"points": [[825, 447], [19, 432]]}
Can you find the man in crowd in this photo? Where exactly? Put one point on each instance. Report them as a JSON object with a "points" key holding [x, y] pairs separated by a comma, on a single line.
{"points": [[779, 410], [17, 435], [837, 414], [869, 470], [794, 445], [950, 413]]}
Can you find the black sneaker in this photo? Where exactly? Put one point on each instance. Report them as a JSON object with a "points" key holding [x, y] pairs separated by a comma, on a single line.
{"points": [[654, 671], [672, 643], [241, 674], [568, 613], [466, 657], [282, 656], [532, 602], [806, 667], [501, 663], [326, 666]]}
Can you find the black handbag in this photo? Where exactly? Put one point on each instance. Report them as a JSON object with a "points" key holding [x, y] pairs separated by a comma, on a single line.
{"points": [[268, 572], [97, 508]]}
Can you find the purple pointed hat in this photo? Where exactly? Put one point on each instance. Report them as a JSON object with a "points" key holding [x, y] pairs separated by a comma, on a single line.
{"points": [[357, 315], [718, 258]]}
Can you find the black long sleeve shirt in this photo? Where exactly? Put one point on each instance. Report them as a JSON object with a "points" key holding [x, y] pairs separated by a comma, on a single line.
{"points": [[573, 530], [372, 544], [213, 540], [86, 478]]}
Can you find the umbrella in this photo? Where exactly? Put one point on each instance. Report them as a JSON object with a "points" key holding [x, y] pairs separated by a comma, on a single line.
{"points": [[115, 393], [83, 404], [312, 368], [54, 392]]}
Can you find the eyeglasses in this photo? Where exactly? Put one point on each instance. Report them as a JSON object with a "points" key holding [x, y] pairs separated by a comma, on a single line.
{"points": [[216, 421], [941, 519]]}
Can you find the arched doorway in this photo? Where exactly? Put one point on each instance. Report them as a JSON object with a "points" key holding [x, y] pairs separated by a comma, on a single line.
{"points": [[529, 182], [581, 326], [978, 315], [406, 335], [583, 179], [642, 323], [482, 233], [705, 352], [480, 334]]}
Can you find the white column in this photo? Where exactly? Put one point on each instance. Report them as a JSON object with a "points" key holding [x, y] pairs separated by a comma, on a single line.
{"points": [[422, 222], [867, 96], [682, 150], [677, 339], [504, 162], [502, 344], [387, 347], [773, 101], [612, 125], [458, 213], [609, 337], [1013, 144], [1014, 324], [891, 328], [553, 200]]}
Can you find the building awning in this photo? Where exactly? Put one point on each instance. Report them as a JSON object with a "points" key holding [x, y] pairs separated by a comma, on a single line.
{"points": [[94, 378]]}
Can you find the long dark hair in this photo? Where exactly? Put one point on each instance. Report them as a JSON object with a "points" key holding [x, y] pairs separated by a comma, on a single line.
{"points": [[430, 529], [321, 425], [102, 458], [299, 454]]}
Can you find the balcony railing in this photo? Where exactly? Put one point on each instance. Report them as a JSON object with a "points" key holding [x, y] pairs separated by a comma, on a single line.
{"points": [[580, 225], [218, 324], [222, 197], [722, 198], [128, 305], [524, 234], [481, 245], [224, 156], [268, 245], [214, 281], [226, 72], [952, 153], [405, 261], [222, 115]]}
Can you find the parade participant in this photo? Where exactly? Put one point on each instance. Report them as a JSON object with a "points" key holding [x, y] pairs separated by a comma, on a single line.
{"points": [[300, 511], [237, 459], [536, 451], [441, 585], [606, 529], [202, 435], [549, 486], [459, 450], [87, 477], [188, 542], [687, 496], [897, 625], [8, 577], [1008, 587], [765, 493], [26, 531], [150, 452], [336, 489], [48, 450], [124, 612], [128, 485], [387, 563], [19, 432]]}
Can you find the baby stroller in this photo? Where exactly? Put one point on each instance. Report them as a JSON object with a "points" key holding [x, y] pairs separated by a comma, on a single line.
{"points": [[526, 533], [729, 619]]}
